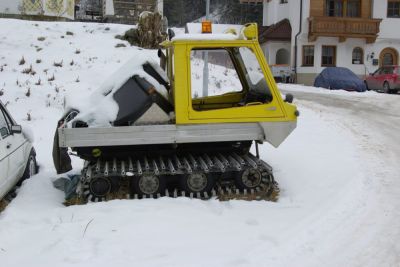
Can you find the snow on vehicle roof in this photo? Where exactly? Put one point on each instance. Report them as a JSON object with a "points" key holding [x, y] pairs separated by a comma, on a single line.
{"points": [[206, 36], [219, 32], [193, 28], [99, 109]]}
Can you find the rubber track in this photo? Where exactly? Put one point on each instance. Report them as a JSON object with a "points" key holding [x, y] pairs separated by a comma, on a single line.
{"points": [[173, 165]]}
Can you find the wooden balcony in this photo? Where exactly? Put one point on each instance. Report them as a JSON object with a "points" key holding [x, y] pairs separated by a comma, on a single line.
{"points": [[343, 28]]}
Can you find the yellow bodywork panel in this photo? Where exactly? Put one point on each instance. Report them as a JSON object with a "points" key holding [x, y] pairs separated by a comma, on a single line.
{"points": [[222, 108]]}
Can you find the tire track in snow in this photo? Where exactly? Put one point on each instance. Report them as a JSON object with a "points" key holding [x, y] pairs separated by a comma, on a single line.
{"points": [[371, 239]]}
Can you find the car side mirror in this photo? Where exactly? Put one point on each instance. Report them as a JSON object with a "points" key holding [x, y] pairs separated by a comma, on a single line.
{"points": [[289, 98], [371, 74], [16, 129]]}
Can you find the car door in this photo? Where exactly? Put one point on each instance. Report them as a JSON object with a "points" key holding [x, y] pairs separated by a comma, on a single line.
{"points": [[397, 78], [14, 148], [370, 81], [387, 76], [373, 80], [3, 156]]}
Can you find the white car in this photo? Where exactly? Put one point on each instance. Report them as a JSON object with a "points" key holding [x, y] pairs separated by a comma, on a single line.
{"points": [[17, 155]]}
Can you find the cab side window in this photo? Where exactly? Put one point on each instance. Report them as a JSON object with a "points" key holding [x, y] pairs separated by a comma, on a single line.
{"points": [[235, 79], [222, 76], [259, 88], [4, 127]]}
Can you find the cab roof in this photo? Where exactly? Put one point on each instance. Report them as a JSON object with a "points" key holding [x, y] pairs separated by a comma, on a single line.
{"points": [[249, 32], [206, 36]]}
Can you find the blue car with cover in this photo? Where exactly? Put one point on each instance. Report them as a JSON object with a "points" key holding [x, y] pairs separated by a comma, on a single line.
{"points": [[339, 78]]}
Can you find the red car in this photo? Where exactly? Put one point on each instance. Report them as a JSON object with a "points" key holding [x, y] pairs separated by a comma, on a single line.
{"points": [[385, 79]]}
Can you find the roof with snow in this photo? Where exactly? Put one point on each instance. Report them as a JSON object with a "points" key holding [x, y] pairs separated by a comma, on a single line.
{"points": [[281, 31]]}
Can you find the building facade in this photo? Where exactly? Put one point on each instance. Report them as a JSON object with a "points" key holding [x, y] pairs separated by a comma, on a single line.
{"points": [[41, 9], [128, 11], [357, 34], [89, 10]]}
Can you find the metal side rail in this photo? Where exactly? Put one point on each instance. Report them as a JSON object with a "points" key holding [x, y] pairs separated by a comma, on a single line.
{"points": [[272, 132], [158, 134]]}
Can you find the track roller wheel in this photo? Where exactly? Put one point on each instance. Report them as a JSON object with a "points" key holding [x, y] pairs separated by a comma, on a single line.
{"points": [[198, 183], [249, 179], [148, 185], [115, 184], [99, 188]]}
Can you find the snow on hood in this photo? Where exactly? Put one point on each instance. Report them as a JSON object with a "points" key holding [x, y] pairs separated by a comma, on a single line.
{"points": [[99, 109]]}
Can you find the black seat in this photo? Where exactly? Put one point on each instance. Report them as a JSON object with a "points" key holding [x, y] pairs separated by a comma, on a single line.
{"points": [[134, 98]]}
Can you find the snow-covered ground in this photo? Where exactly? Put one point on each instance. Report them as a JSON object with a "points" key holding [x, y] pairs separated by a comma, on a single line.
{"points": [[338, 173]]}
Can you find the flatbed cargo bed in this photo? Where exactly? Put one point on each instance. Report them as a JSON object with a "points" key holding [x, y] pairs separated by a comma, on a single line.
{"points": [[167, 134]]}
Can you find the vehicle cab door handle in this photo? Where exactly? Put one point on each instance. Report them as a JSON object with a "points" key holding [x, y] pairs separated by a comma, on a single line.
{"points": [[8, 145]]}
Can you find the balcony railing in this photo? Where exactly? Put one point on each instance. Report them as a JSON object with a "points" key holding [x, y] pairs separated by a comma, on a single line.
{"points": [[343, 28]]}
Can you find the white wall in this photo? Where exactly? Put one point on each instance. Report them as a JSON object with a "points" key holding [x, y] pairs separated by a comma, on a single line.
{"points": [[344, 53], [389, 31], [389, 26], [381, 44], [271, 48], [274, 11], [16, 7]]}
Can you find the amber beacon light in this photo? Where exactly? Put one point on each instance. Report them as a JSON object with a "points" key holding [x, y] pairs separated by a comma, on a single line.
{"points": [[206, 27]]}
